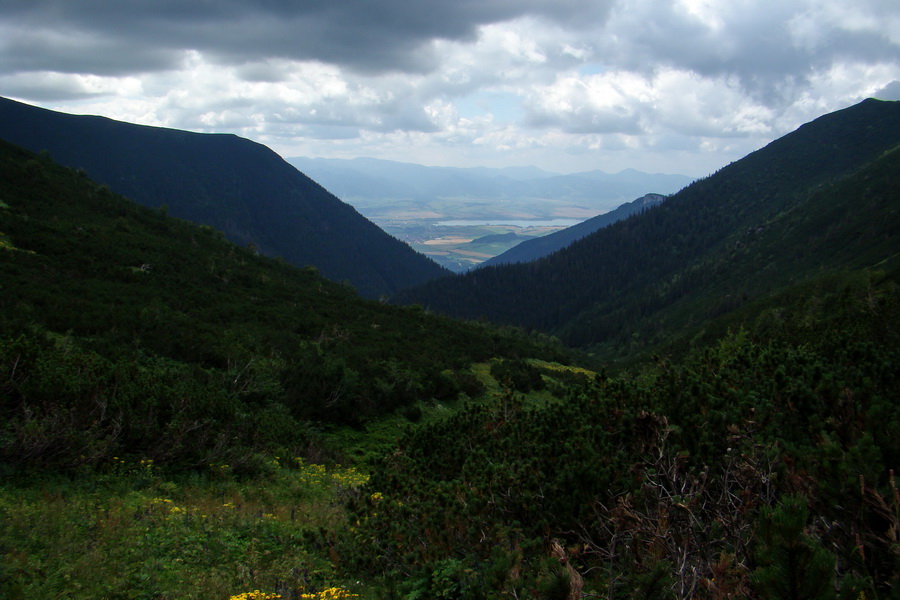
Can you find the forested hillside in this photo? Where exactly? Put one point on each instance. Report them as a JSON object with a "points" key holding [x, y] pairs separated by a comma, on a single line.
{"points": [[761, 467], [534, 249], [127, 331], [229, 183], [719, 244]]}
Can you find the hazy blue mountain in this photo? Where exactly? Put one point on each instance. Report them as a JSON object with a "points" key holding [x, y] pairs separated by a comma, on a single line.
{"points": [[233, 184], [533, 249], [376, 178], [366, 178]]}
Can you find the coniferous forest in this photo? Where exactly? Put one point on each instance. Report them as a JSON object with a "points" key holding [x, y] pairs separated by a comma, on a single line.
{"points": [[181, 417], [238, 187], [795, 209]]}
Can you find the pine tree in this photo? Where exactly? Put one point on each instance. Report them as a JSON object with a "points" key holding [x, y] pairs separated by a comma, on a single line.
{"points": [[792, 565]]}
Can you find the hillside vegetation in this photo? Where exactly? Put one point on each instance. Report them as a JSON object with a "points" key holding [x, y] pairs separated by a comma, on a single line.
{"points": [[719, 244], [232, 184], [534, 249], [129, 331], [761, 467]]}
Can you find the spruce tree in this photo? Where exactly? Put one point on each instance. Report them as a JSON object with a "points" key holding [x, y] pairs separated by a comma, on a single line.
{"points": [[792, 565]]}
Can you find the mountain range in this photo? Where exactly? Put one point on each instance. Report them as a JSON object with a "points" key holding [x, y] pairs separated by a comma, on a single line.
{"points": [[393, 191], [820, 199], [232, 184], [717, 245]]}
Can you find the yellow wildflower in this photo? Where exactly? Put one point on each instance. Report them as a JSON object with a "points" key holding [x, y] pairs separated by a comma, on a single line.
{"points": [[255, 595]]}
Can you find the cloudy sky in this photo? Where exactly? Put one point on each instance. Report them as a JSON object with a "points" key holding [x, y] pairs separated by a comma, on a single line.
{"points": [[568, 85]]}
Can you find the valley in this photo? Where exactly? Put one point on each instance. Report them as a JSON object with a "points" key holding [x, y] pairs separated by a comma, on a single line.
{"points": [[695, 401], [460, 246], [442, 212]]}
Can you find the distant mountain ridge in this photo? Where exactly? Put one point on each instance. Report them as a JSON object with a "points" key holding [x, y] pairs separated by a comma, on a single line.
{"points": [[818, 200], [361, 180], [536, 248], [233, 184]]}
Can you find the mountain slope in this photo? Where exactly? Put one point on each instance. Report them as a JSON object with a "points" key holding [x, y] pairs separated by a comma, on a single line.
{"points": [[536, 248], [147, 331], [232, 184], [610, 286]]}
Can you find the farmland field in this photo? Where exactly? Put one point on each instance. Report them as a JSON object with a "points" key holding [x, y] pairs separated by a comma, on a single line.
{"points": [[451, 230], [460, 247]]}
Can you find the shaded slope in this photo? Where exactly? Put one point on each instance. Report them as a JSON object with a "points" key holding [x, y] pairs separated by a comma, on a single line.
{"points": [[834, 230], [237, 186], [536, 248], [101, 295], [605, 286]]}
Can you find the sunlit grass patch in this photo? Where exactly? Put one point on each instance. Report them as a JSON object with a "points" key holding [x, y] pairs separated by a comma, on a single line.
{"points": [[554, 367], [7, 244], [483, 372]]}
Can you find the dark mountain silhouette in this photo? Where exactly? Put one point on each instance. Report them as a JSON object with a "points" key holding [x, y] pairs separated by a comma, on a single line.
{"points": [[789, 212], [233, 184], [536, 248]]}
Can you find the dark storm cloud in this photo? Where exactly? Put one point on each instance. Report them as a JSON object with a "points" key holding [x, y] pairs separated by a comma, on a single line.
{"points": [[117, 36], [77, 51]]}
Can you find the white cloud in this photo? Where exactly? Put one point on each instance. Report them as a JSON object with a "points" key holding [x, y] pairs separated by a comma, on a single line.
{"points": [[608, 103]]}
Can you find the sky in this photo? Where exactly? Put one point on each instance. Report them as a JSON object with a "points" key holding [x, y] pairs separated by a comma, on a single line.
{"points": [[684, 86]]}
